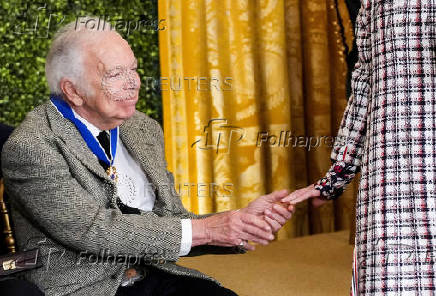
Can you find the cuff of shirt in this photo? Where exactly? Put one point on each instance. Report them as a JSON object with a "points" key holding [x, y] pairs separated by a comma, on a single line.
{"points": [[185, 246]]}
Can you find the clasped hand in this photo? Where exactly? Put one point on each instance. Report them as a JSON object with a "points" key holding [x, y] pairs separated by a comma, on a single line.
{"points": [[256, 223]]}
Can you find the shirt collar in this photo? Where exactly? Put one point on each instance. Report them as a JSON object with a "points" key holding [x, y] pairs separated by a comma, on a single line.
{"points": [[92, 128]]}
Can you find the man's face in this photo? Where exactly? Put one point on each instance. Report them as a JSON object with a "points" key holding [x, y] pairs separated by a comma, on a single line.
{"points": [[110, 69]]}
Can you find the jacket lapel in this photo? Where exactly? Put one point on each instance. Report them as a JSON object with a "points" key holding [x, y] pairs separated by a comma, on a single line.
{"points": [[135, 136], [143, 144], [72, 138]]}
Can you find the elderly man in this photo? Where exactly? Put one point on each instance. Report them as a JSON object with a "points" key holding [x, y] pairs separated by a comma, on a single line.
{"points": [[88, 184]]}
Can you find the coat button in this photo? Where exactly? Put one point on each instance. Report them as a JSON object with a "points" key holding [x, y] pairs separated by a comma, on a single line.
{"points": [[114, 276]]}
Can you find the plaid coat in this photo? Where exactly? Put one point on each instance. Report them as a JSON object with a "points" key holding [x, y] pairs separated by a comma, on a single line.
{"points": [[388, 132], [64, 203]]}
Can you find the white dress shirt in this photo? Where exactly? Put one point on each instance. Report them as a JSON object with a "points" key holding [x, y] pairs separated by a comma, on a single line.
{"points": [[133, 186]]}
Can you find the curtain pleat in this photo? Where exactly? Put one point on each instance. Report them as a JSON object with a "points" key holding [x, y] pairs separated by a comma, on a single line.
{"points": [[238, 72]]}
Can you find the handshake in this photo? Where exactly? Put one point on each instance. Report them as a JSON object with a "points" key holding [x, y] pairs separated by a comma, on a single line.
{"points": [[255, 223]]}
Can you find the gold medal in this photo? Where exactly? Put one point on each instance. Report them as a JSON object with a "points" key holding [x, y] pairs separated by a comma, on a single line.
{"points": [[112, 173]]}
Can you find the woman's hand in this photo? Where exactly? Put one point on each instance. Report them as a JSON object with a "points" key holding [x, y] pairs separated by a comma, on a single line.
{"points": [[303, 194]]}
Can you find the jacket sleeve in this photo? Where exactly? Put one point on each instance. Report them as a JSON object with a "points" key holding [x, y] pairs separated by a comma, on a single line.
{"points": [[347, 151], [39, 183]]}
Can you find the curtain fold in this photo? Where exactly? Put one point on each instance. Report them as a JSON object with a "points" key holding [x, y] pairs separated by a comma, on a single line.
{"points": [[253, 92]]}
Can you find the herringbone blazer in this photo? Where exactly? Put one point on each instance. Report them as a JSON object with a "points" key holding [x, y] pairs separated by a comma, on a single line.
{"points": [[64, 203]]}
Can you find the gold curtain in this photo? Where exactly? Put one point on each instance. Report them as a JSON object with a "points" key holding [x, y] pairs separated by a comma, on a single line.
{"points": [[251, 92]]}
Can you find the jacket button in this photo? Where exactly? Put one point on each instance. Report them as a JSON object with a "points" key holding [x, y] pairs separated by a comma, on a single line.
{"points": [[114, 276]]}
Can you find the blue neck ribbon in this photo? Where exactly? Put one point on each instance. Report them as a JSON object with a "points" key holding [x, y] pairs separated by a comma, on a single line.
{"points": [[90, 140]]}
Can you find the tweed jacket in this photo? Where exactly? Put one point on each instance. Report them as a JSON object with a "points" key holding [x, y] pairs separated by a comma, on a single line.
{"points": [[64, 204], [388, 132]]}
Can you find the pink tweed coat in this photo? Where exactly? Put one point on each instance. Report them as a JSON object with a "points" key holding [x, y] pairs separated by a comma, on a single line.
{"points": [[388, 133]]}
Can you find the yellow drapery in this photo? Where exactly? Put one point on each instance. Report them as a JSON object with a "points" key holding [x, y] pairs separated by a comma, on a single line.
{"points": [[252, 92]]}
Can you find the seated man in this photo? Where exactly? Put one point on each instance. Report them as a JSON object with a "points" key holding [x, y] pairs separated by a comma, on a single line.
{"points": [[88, 184]]}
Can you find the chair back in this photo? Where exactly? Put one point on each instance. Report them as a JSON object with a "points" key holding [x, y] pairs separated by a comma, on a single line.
{"points": [[7, 238], [7, 241]]}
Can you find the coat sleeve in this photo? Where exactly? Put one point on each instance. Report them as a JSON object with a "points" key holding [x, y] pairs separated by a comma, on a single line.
{"points": [[39, 183], [347, 151]]}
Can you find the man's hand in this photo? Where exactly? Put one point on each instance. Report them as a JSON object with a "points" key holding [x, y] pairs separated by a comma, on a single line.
{"points": [[231, 229], [257, 222], [303, 194], [268, 206]]}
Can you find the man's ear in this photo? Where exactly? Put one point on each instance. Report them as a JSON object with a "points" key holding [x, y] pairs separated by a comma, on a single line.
{"points": [[71, 93]]}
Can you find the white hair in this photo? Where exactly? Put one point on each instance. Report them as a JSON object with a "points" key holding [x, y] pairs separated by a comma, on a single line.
{"points": [[65, 57]]}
